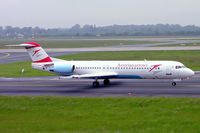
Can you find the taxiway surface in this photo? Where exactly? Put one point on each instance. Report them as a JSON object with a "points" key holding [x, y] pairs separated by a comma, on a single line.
{"points": [[11, 57], [39, 86]]}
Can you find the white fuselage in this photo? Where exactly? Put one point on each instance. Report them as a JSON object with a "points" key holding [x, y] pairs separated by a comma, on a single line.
{"points": [[105, 69], [123, 69]]}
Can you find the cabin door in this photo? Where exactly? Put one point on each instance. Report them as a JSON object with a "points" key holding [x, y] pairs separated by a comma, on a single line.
{"points": [[168, 71]]}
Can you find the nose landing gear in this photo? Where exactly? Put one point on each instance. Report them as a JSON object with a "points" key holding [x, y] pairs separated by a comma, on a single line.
{"points": [[173, 83]]}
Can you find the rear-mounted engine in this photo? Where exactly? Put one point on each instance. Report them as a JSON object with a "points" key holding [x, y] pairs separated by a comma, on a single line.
{"points": [[62, 68]]}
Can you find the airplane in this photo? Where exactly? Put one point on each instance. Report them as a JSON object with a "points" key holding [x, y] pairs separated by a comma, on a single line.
{"points": [[105, 70]]}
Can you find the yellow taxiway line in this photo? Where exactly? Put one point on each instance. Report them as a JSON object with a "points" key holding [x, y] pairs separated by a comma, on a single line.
{"points": [[76, 85], [5, 56]]}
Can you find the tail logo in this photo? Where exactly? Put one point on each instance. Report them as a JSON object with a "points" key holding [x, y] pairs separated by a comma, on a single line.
{"points": [[35, 52]]}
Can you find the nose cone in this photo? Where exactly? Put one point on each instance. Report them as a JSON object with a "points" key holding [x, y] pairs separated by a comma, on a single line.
{"points": [[190, 73], [185, 73]]}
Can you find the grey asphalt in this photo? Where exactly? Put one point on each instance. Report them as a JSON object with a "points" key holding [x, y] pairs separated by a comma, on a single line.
{"points": [[53, 86], [11, 57]]}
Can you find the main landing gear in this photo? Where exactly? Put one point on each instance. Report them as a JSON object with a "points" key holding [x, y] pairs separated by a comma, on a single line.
{"points": [[106, 82], [96, 83]]}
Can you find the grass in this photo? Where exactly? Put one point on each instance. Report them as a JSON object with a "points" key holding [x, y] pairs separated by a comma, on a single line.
{"points": [[15, 70], [190, 58], [73, 43], [99, 115]]}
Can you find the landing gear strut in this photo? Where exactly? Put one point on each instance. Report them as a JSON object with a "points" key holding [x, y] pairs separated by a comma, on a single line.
{"points": [[106, 82], [173, 83], [96, 84]]}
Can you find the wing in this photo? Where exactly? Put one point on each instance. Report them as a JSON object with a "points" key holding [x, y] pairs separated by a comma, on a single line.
{"points": [[102, 75]]}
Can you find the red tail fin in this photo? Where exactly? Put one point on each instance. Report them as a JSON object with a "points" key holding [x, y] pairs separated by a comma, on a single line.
{"points": [[37, 54], [35, 51]]}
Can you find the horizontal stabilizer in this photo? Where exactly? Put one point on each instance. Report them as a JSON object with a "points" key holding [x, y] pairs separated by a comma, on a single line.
{"points": [[21, 45]]}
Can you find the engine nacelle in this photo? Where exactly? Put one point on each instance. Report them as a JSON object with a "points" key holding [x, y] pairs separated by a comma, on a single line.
{"points": [[62, 68]]}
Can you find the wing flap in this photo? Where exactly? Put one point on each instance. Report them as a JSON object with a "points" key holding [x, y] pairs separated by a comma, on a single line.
{"points": [[102, 75]]}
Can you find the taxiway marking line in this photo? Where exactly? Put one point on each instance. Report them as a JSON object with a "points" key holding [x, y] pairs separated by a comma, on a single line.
{"points": [[76, 85], [5, 56], [14, 57], [49, 81]]}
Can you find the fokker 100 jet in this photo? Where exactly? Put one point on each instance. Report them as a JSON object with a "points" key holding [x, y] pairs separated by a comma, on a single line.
{"points": [[106, 69]]}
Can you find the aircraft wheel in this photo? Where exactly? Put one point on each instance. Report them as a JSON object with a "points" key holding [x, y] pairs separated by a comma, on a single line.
{"points": [[96, 84], [173, 83], [106, 82]]}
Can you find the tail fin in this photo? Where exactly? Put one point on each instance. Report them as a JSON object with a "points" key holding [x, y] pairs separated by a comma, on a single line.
{"points": [[35, 51]]}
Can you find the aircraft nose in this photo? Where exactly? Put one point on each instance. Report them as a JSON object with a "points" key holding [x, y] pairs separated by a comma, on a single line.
{"points": [[185, 73], [190, 72]]}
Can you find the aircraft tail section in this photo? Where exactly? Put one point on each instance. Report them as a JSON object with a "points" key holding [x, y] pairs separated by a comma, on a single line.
{"points": [[35, 51]]}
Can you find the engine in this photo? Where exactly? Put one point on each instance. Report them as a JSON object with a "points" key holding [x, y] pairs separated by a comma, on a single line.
{"points": [[62, 68]]}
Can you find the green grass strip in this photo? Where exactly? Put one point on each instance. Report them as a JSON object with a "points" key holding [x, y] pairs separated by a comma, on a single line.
{"points": [[99, 115]]}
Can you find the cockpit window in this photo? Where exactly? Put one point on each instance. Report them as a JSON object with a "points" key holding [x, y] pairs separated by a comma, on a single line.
{"points": [[179, 67]]}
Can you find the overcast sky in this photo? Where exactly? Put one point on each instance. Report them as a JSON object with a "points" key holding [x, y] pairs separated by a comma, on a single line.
{"points": [[65, 13]]}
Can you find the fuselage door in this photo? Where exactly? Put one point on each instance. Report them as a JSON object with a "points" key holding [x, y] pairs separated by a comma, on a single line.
{"points": [[158, 73], [168, 70]]}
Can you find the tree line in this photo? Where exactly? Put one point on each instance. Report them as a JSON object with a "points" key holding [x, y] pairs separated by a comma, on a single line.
{"points": [[92, 30]]}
